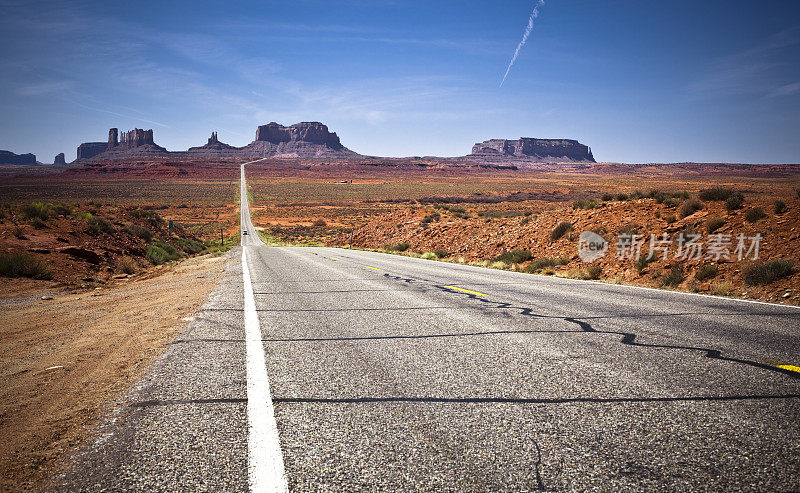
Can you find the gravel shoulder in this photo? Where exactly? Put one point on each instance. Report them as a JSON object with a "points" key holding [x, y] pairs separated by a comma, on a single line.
{"points": [[62, 360]]}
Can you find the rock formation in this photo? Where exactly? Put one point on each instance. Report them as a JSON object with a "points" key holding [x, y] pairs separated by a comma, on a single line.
{"points": [[306, 139], [134, 143], [88, 150], [213, 149], [8, 157], [60, 159], [537, 149]]}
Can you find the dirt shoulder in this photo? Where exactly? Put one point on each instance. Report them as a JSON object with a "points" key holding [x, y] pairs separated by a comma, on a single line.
{"points": [[63, 359]]}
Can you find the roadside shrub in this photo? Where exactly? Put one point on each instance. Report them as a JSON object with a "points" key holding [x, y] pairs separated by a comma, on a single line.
{"points": [[734, 202], [23, 265], [429, 256], [706, 272], [674, 277], [514, 257], [584, 204], [714, 223], [670, 219], [689, 207], [722, 289], [592, 272], [189, 246], [401, 247], [622, 197], [768, 272], [139, 231], [545, 262], [643, 261], [560, 230], [607, 197], [127, 265], [716, 194], [441, 253], [754, 214], [100, 225], [37, 210], [160, 252], [319, 223], [780, 207]]}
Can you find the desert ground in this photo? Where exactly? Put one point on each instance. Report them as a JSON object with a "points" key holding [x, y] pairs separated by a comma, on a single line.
{"points": [[96, 241]]}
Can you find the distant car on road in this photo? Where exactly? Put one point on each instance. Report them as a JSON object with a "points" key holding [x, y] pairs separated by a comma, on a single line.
{"points": [[244, 232]]}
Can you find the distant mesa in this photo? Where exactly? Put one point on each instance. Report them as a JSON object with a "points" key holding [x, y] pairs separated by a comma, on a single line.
{"points": [[134, 143], [304, 140], [558, 150], [8, 157], [60, 159]]}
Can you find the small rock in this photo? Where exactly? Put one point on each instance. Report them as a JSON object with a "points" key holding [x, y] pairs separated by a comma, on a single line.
{"points": [[787, 294], [47, 297]]}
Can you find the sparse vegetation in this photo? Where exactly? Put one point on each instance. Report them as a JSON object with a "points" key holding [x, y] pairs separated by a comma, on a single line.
{"points": [[431, 217], [23, 265], [689, 207], [429, 256], [714, 223], [560, 230], [514, 257], [584, 204], [99, 225], [670, 219], [441, 253], [127, 265], [754, 214], [139, 231], [735, 201], [768, 272], [642, 262], [722, 289], [674, 277], [188, 245], [706, 272], [400, 247], [717, 194], [545, 262], [320, 223], [160, 252], [780, 207], [37, 210]]}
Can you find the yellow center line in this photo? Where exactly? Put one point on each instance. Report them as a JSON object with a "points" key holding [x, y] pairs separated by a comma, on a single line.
{"points": [[334, 258], [373, 268], [466, 291], [790, 368]]}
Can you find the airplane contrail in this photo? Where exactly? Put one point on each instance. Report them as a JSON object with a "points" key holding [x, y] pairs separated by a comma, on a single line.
{"points": [[527, 33]]}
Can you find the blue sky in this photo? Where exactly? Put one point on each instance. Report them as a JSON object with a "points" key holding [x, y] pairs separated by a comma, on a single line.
{"points": [[637, 80]]}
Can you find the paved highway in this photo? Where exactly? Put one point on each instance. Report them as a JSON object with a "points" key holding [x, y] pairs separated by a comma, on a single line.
{"points": [[323, 368]]}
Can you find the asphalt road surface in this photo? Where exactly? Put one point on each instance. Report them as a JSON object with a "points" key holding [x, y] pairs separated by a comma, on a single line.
{"points": [[391, 373]]}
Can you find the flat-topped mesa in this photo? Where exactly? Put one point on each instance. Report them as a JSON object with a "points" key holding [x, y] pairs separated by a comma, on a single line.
{"points": [[134, 143], [60, 159], [540, 149], [310, 132], [8, 157]]}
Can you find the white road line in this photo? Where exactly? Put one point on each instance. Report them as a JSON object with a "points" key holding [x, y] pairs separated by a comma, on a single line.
{"points": [[265, 459]]}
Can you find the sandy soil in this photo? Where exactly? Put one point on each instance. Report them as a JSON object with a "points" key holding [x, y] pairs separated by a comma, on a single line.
{"points": [[62, 360]]}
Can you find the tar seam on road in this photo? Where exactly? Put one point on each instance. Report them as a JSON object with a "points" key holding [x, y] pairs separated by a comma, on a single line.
{"points": [[265, 460]]}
